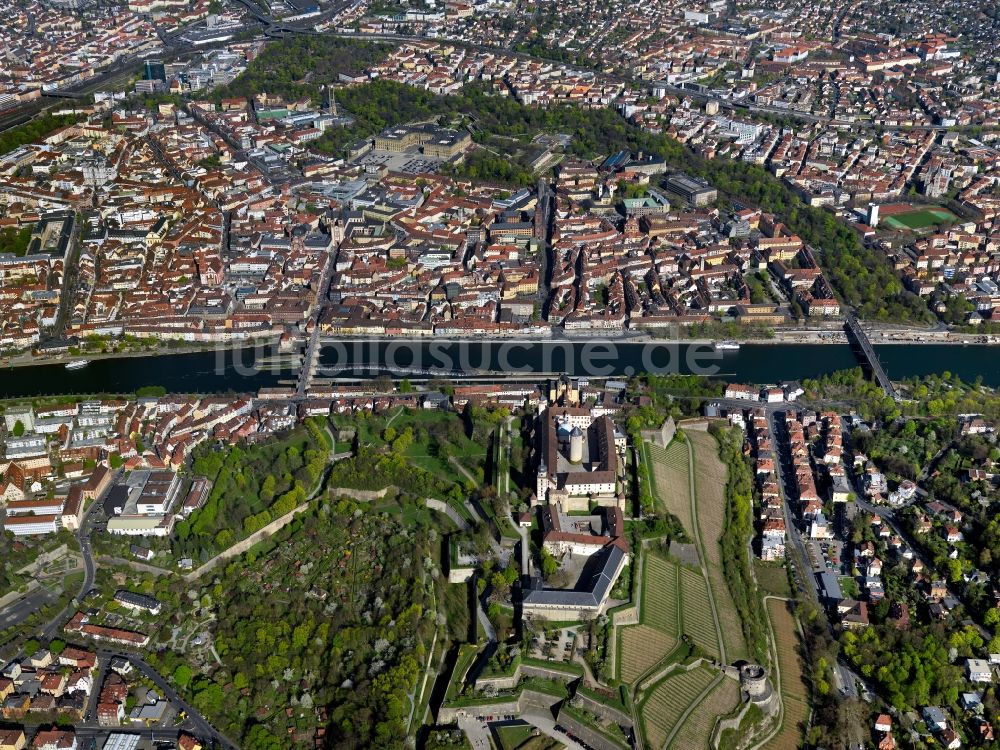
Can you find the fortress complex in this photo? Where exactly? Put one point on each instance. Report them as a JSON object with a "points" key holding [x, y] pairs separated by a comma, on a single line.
{"points": [[580, 459]]}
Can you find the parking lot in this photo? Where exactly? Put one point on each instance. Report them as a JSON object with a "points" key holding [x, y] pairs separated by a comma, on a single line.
{"points": [[409, 162], [826, 556], [558, 645]]}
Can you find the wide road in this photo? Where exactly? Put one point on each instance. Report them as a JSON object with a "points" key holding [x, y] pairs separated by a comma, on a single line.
{"points": [[784, 469], [198, 723], [194, 723], [22, 609]]}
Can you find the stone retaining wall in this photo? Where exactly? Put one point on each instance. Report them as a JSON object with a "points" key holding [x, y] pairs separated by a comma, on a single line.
{"points": [[505, 682], [501, 707], [460, 575], [528, 699], [732, 722], [603, 710], [593, 738], [363, 495]]}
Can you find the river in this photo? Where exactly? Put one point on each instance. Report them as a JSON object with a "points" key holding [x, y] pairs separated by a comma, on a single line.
{"points": [[234, 371], [752, 363]]}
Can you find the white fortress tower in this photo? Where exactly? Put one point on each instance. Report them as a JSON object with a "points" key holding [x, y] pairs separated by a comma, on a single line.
{"points": [[576, 446]]}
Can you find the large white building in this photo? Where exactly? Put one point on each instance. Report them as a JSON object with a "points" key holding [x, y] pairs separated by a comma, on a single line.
{"points": [[143, 504], [141, 525], [588, 598], [32, 525]]}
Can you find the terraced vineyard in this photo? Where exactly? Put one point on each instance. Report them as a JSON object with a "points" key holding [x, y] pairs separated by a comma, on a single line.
{"points": [[696, 731], [698, 621], [710, 483], [646, 644], [642, 647], [669, 469], [678, 599], [729, 617], [660, 594], [669, 700], [794, 692]]}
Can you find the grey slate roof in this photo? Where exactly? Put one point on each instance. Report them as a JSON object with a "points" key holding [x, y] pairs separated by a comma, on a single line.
{"points": [[592, 595]]}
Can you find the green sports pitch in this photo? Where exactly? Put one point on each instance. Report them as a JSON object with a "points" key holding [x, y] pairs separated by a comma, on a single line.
{"points": [[919, 218]]}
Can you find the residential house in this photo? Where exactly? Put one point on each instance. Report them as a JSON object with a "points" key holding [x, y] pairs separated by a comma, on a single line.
{"points": [[978, 670], [935, 719]]}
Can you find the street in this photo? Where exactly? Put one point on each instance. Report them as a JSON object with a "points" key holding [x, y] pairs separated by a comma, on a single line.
{"points": [[309, 360], [548, 726], [194, 724], [89, 566], [783, 468], [198, 723], [22, 609]]}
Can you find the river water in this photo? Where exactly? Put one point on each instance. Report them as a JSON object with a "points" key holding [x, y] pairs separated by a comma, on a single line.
{"points": [[234, 371]]}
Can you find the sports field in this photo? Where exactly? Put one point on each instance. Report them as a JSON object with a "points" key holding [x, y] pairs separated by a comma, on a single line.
{"points": [[918, 218]]}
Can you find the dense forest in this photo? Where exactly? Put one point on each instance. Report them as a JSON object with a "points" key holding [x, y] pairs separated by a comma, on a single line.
{"points": [[735, 541], [357, 589], [34, 130], [252, 485], [300, 66]]}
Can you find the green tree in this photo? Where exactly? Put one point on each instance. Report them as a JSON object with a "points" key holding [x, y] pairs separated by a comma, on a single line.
{"points": [[183, 675], [224, 539], [258, 738], [549, 564], [992, 618], [208, 696]]}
